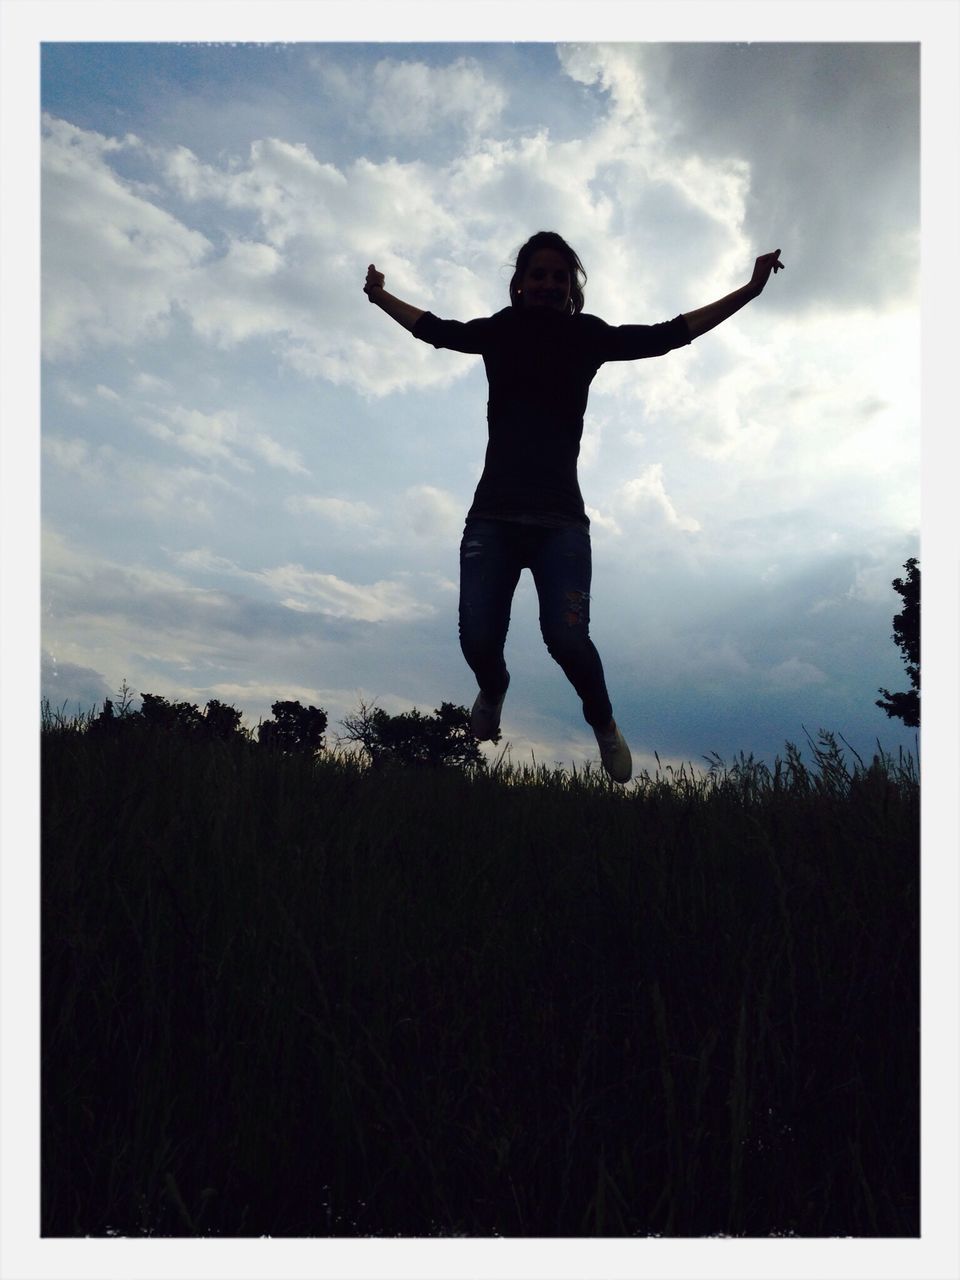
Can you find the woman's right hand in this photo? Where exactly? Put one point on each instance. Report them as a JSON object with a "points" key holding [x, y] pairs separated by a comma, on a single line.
{"points": [[396, 308], [374, 281]]}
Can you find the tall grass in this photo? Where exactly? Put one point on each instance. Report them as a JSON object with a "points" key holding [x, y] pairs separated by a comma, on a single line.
{"points": [[294, 997]]}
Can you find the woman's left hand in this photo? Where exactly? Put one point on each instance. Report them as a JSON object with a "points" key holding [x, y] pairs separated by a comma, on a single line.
{"points": [[762, 268]]}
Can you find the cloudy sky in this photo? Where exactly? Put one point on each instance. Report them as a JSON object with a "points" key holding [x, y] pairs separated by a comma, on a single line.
{"points": [[254, 483]]}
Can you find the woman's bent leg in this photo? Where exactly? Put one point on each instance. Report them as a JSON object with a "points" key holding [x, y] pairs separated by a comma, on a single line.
{"points": [[490, 566], [562, 571]]}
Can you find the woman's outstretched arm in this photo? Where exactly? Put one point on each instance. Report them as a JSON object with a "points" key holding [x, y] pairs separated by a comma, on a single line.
{"points": [[398, 310], [713, 313]]}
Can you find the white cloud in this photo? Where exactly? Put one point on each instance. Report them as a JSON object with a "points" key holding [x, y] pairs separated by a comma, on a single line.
{"points": [[440, 231], [282, 182], [719, 658], [304, 286], [307, 590], [277, 455], [599, 521], [615, 69], [131, 620], [410, 99], [794, 673], [421, 514], [238, 295], [113, 262], [204, 560], [874, 584], [219, 437], [647, 491], [175, 493], [256, 698], [300, 588], [133, 489], [144, 381], [432, 513], [72, 455], [70, 395], [339, 511], [210, 436]]}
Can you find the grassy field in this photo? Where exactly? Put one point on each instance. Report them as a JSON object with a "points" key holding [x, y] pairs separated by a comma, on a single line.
{"points": [[303, 998]]}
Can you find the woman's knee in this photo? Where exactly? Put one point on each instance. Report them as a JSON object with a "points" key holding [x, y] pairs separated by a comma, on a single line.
{"points": [[567, 639], [480, 643], [567, 621]]}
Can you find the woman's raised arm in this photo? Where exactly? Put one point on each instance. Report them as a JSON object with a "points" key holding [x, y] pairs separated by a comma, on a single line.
{"points": [[398, 310], [713, 313]]}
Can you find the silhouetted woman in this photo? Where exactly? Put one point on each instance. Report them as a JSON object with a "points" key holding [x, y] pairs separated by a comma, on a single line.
{"points": [[540, 356]]}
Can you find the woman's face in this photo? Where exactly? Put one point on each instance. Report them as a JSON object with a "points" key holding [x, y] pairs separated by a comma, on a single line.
{"points": [[547, 281]]}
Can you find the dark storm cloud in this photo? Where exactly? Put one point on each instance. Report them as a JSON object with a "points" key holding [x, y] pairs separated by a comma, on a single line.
{"points": [[831, 133], [734, 656], [69, 687]]}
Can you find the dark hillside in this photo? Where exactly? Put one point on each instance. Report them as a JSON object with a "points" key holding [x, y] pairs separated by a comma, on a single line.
{"points": [[289, 996]]}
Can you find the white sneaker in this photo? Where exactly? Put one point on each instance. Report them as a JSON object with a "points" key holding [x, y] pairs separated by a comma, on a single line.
{"points": [[614, 753], [485, 716]]}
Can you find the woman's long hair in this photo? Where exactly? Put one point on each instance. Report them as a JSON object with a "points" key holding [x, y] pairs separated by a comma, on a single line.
{"points": [[550, 240]]}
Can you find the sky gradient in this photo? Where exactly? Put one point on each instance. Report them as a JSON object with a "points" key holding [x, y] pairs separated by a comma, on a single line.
{"points": [[254, 483]]}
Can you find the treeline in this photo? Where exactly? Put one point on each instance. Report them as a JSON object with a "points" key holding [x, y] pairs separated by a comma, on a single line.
{"points": [[906, 636], [411, 738]]}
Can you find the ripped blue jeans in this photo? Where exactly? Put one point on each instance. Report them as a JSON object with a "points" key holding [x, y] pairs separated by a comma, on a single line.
{"points": [[492, 555]]}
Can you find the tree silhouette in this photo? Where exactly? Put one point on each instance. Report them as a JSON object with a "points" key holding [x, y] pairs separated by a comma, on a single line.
{"points": [[415, 739], [906, 634], [295, 728], [158, 715], [221, 720], [182, 717]]}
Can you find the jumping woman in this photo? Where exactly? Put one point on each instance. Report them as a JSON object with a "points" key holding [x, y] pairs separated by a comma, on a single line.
{"points": [[541, 354]]}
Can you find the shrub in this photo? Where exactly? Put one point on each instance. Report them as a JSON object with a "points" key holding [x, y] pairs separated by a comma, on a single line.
{"points": [[295, 728], [412, 738]]}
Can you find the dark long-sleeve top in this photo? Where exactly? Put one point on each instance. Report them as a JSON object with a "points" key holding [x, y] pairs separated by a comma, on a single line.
{"points": [[539, 365]]}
